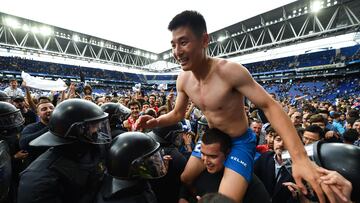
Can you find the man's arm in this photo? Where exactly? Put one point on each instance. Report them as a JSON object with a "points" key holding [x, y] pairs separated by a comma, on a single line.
{"points": [[241, 79], [27, 136], [28, 97], [173, 116]]}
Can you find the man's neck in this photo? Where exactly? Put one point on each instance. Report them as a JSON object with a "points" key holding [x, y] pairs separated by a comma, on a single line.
{"points": [[44, 122], [202, 71], [279, 159]]}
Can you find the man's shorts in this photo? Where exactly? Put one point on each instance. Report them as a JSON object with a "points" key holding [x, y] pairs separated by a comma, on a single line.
{"points": [[241, 156]]}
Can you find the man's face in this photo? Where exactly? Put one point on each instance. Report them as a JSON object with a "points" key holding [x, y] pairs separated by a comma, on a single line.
{"points": [[152, 100], [212, 157], [270, 139], [100, 100], [88, 97], [278, 145], [256, 127], [44, 111], [310, 137], [188, 49], [356, 126], [320, 124], [296, 118], [157, 102], [134, 111], [144, 107], [305, 119], [342, 117], [19, 104], [13, 84]]}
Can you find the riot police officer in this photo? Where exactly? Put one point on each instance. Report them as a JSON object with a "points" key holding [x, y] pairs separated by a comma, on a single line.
{"points": [[170, 137], [118, 113], [132, 159], [11, 123], [70, 171]]}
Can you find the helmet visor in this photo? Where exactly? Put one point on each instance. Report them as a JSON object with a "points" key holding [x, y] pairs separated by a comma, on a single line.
{"points": [[11, 120], [96, 132], [149, 167], [175, 137]]}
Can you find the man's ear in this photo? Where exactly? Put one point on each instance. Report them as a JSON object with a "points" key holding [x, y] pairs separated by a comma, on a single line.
{"points": [[205, 40]]}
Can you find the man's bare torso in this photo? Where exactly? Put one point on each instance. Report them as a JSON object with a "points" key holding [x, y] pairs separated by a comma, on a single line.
{"points": [[220, 102]]}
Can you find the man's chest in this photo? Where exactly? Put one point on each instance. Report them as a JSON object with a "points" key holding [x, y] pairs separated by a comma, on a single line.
{"points": [[209, 96]]}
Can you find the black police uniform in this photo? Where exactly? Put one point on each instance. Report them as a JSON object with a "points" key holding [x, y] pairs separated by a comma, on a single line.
{"points": [[167, 188], [133, 157], [70, 171], [122, 191], [62, 175]]}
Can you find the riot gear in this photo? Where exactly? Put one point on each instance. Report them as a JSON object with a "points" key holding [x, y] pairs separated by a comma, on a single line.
{"points": [[117, 112], [4, 97], [76, 120], [168, 135], [340, 157], [135, 155], [10, 116], [5, 171]]}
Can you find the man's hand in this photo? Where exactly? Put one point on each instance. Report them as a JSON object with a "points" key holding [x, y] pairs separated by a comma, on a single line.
{"points": [[337, 184], [182, 200], [146, 122], [22, 154], [23, 83], [305, 170]]}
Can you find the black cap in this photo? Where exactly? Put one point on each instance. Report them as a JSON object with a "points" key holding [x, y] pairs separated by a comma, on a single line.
{"points": [[19, 99]]}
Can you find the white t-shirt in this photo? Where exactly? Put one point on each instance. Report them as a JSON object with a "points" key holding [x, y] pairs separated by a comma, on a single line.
{"points": [[13, 92]]}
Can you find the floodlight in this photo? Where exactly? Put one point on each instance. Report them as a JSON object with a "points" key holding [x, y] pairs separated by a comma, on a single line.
{"points": [[25, 27], [76, 38], [147, 55], [101, 44], [316, 6], [222, 38], [335, 2], [35, 30], [46, 31], [12, 23]]}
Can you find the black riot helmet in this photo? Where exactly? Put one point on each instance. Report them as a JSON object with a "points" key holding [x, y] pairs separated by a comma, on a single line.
{"points": [[135, 155], [339, 157], [4, 97], [5, 170], [76, 120], [10, 116], [202, 126], [168, 135], [117, 112]]}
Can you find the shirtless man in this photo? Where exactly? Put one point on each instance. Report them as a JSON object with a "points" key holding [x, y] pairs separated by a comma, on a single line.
{"points": [[218, 88]]}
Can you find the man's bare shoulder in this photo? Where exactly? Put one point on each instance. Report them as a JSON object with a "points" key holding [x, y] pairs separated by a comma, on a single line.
{"points": [[229, 69], [182, 79]]}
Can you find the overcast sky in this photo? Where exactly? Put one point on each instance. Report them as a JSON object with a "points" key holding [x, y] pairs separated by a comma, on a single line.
{"points": [[138, 23]]}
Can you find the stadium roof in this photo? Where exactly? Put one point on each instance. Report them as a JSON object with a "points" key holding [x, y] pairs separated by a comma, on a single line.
{"points": [[141, 24]]}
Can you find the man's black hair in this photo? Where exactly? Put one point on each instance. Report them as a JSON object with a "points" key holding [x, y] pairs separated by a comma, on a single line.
{"points": [[214, 135], [351, 135], [316, 129], [193, 19]]}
